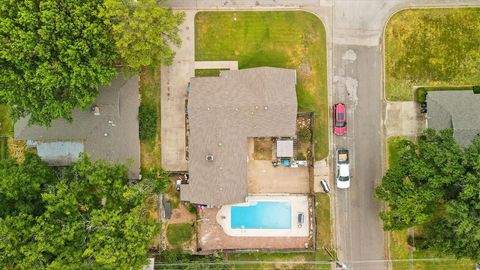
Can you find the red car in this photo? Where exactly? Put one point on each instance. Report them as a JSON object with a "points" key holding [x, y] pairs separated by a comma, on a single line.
{"points": [[340, 121]]}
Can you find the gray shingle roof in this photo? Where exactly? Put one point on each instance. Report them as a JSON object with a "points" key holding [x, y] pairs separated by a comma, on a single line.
{"points": [[223, 112], [118, 105], [459, 110]]}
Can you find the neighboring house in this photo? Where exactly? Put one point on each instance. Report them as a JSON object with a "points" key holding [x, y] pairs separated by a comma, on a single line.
{"points": [[109, 131], [458, 110], [223, 113]]}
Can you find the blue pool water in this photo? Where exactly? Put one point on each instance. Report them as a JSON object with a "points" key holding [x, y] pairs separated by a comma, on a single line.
{"points": [[262, 215]]}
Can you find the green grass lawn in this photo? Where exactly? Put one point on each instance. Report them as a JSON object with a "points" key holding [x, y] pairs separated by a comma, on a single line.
{"points": [[207, 72], [290, 39], [399, 248], [431, 47], [277, 258], [150, 150], [178, 234], [393, 144], [324, 228]]}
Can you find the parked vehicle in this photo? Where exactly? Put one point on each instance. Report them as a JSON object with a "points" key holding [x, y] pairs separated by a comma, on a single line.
{"points": [[343, 169], [340, 119]]}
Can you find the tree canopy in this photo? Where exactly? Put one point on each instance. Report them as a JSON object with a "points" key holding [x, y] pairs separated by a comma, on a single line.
{"points": [[435, 183], [143, 31], [54, 56], [87, 215]]}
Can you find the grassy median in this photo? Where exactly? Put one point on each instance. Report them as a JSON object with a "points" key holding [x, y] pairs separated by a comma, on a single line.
{"points": [[431, 47], [290, 39]]}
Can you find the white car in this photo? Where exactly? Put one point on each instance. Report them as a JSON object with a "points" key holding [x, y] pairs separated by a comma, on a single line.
{"points": [[343, 169], [343, 176]]}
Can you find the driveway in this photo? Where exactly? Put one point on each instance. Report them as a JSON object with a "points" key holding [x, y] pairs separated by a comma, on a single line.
{"points": [[404, 119], [175, 79]]}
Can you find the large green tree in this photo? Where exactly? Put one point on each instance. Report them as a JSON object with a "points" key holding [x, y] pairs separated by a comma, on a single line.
{"points": [[143, 31], [435, 183], [54, 56], [87, 215]]}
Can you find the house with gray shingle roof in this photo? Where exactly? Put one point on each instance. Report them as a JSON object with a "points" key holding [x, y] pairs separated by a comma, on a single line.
{"points": [[223, 112], [458, 110], [108, 132]]}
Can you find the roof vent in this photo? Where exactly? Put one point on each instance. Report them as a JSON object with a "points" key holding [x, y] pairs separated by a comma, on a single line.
{"points": [[266, 108], [209, 157]]}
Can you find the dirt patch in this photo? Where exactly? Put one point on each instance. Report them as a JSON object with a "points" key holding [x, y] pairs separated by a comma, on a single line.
{"points": [[181, 215], [263, 149], [305, 68]]}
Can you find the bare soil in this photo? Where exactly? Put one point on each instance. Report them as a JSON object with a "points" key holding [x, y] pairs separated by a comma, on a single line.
{"points": [[263, 149]]}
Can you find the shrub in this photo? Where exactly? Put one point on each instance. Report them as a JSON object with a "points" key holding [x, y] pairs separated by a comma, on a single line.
{"points": [[421, 94], [147, 121], [192, 209], [156, 179], [476, 89], [304, 135]]}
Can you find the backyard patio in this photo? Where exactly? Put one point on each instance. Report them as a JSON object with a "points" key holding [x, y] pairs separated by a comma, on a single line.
{"points": [[211, 237]]}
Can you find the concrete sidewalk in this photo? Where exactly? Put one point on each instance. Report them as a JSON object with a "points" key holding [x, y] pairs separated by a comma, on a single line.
{"points": [[321, 170], [231, 65]]}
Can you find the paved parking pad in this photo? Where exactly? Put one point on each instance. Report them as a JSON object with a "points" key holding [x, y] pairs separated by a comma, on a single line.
{"points": [[404, 119]]}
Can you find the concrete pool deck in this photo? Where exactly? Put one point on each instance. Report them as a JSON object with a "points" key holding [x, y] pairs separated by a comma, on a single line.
{"points": [[298, 204]]}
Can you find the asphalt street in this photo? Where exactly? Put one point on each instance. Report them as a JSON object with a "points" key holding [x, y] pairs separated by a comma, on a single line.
{"points": [[360, 239]]}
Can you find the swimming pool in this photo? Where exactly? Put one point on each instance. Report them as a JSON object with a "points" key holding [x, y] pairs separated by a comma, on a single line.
{"points": [[262, 215]]}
